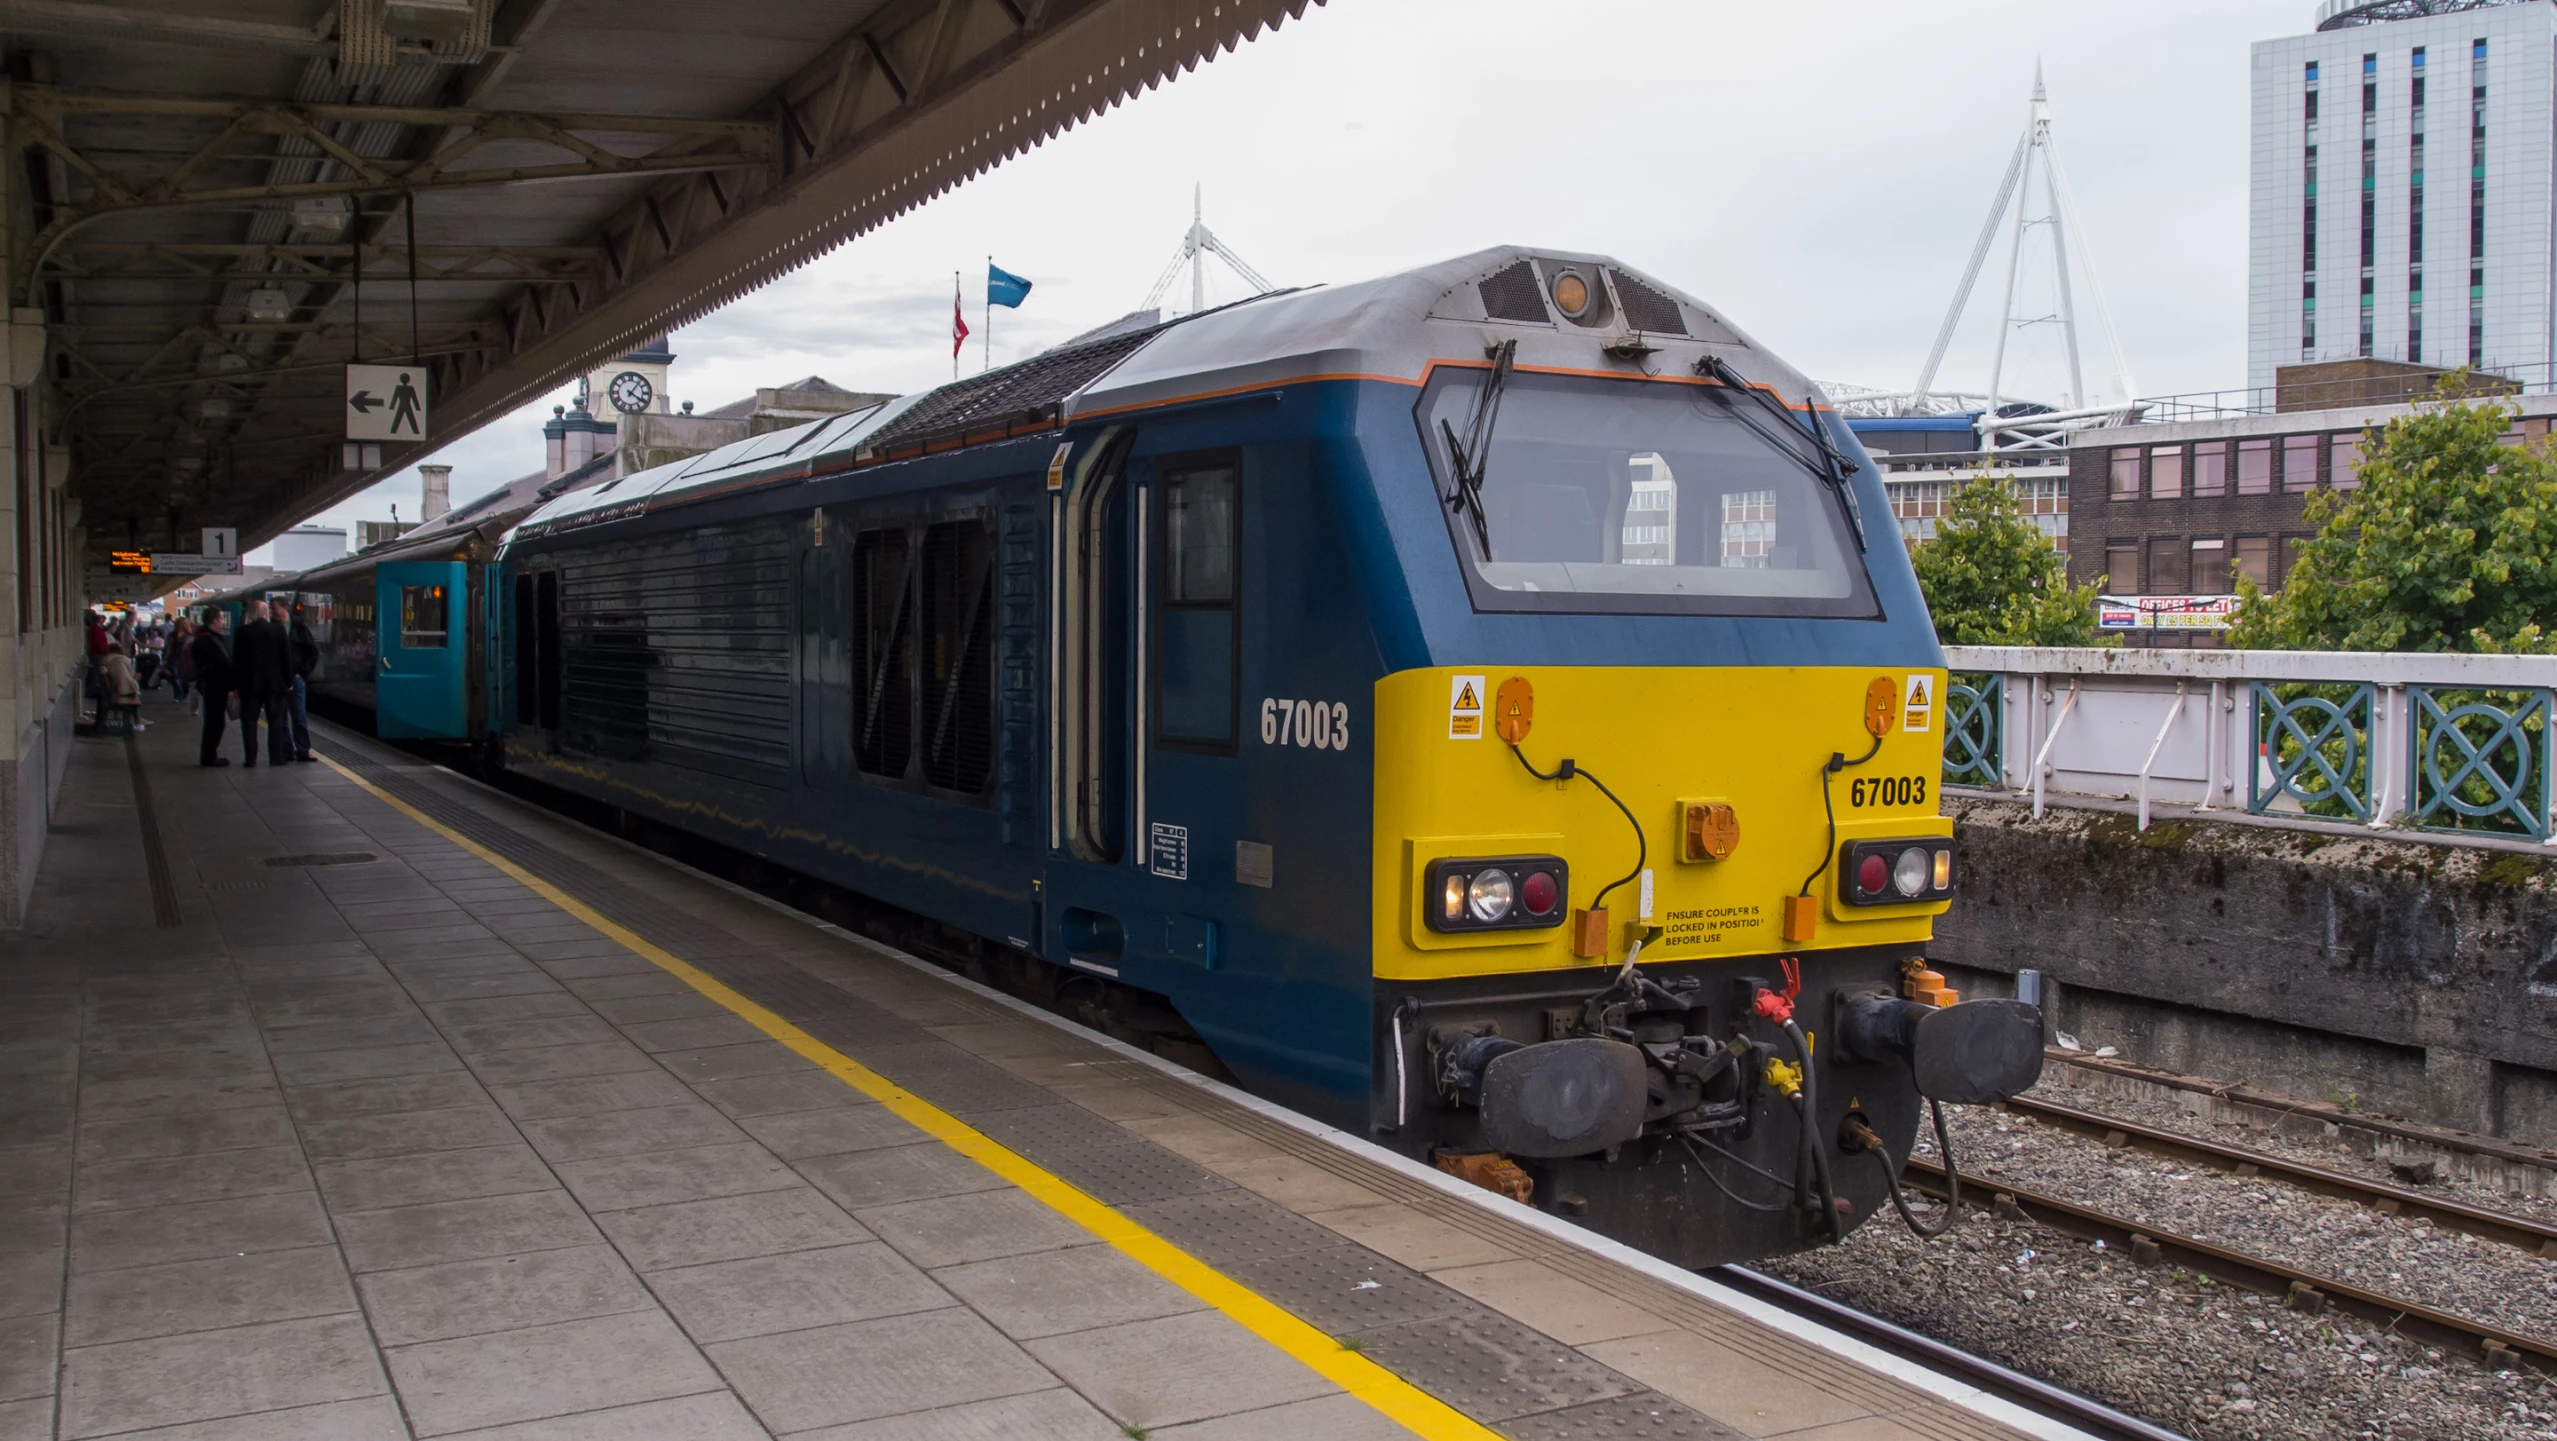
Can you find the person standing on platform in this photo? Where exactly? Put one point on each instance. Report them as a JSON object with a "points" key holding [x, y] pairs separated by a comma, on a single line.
{"points": [[97, 645], [262, 671], [306, 660], [181, 665], [209, 662]]}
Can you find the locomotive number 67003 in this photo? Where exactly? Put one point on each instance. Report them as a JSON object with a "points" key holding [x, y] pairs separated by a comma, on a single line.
{"points": [[1312, 724]]}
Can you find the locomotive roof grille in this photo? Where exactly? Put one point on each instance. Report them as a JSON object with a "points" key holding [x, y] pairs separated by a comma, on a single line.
{"points": [[1646, 308], [1025, 394], [1511, 293]]}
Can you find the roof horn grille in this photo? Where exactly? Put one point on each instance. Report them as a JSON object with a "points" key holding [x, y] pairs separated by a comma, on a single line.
{"points": [[1513, 294], [1645, 308]]}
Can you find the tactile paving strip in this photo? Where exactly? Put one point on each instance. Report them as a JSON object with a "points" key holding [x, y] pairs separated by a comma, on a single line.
{"points": [[1437, 1338]]}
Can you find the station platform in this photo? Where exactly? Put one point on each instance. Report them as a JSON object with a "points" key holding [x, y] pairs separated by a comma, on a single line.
{"points": [[354, 1100]]}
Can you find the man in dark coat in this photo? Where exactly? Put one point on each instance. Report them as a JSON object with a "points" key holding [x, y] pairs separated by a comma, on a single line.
{"points": [[306, 659], [210, 660], [262, 669]]}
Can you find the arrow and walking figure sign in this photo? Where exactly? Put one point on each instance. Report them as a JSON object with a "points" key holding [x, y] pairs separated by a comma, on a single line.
{"points": [[385, 402]]}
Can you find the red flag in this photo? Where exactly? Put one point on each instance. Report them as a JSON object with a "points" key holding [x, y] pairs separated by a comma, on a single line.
{"points": [[958, 321]]}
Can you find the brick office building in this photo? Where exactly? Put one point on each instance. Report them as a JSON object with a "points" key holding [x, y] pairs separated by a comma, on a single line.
{"points": [[2179, 507]]}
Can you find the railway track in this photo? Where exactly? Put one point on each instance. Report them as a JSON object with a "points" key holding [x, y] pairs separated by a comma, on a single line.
{"points": [[2300, 1288], [2378, 1195]]}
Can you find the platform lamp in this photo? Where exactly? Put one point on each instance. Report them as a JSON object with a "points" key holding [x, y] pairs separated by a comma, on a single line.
{"points": [[269, 305]]}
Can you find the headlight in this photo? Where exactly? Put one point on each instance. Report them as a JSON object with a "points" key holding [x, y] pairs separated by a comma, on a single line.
{"points": [[1917, 870], [1496, 893]]}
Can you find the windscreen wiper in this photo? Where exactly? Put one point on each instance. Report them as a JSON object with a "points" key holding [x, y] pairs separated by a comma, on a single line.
{"points": [[1472, 454], [1830, 466]]}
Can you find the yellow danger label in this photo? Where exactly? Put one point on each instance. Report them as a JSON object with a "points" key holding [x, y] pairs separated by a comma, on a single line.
{"points": [[1919, 711], [1465, 708]]}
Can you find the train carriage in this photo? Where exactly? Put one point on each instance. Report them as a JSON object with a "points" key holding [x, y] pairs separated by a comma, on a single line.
{"points": [[1491, 703]]}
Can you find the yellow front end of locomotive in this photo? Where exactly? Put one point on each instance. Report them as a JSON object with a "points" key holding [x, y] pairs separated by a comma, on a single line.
{"points": [[1724, 769]]}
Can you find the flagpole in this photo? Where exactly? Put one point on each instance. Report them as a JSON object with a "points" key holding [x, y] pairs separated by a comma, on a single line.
{"points": [[989, 362], [957, 292]]}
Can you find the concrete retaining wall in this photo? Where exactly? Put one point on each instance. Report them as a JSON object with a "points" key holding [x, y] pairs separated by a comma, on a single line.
{"points": [[2408, 976]]}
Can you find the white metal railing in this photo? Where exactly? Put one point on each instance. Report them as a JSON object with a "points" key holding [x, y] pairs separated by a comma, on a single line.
{"points": [[2435, 742]]}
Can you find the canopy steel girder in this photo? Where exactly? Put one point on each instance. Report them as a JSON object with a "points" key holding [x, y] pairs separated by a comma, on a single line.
{"points": [[37, 114], [283, 264], [914, 99]]}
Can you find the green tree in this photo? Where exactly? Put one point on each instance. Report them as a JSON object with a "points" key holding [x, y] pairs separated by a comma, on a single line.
{"points": [[1991, 577], [2449, 544]]}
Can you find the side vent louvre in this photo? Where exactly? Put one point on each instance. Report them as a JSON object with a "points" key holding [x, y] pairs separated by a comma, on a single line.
{"points": [[1513, 294], [1645, 308]]}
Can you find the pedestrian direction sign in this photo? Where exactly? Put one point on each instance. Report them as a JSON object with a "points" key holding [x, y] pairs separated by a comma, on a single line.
{"points": [[386, 402]]}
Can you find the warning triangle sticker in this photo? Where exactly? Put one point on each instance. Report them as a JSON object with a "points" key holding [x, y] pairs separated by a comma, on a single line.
{"points": [[1467, 700]]}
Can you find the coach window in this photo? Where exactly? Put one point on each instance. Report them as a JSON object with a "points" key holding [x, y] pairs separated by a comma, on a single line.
{"points": [[955, 585], [546, 629], [1194, 688], [528, 655], [423, 622], [882, 656]]}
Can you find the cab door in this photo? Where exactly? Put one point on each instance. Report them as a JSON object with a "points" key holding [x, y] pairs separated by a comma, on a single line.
{"points": [[420, 689]]}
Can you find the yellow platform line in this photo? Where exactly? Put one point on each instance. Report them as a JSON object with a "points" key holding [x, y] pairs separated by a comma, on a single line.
{"points": [[1399, 1400]]}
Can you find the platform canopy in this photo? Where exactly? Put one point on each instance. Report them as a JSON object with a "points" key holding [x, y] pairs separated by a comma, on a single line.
{"points": [[214, 208]]}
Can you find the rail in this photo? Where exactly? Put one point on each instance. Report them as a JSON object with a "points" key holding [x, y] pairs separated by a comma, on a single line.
{"points": [[2428, 742], [2306, 1290]]}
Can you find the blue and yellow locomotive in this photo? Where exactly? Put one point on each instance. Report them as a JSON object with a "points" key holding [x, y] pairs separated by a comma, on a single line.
{"points": [[1491, 703]]}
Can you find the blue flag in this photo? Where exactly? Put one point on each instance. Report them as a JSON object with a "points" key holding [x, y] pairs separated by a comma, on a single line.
{"points": [[1005, 288]]}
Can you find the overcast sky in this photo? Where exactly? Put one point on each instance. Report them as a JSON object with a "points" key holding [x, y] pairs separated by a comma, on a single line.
{"points": [[1818, 171]]}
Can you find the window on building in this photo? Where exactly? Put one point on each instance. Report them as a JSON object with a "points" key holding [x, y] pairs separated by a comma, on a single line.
{"points": [[2370, 195], [2126, 473], [2210, 566], [2299, 463], [1748, 528], [2344, 461], [2170, 565], [2252, 557], [2121, 567], [2166, 472], [1196, 641], [2477, 203], [2255, 467], [2210, 469], [2291, 545], [2514, 435]]}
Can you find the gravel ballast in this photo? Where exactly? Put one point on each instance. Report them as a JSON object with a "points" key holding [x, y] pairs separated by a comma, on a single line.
{"points": [[2211, 1360]]}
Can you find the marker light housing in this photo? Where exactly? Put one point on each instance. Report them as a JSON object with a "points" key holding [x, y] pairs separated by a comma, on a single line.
{"points": [[1911, 872], [1496, 893]]}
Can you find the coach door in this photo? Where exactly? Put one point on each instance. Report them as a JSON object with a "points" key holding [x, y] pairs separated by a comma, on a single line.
{"points": [[1094, 677], [423, 638]]}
